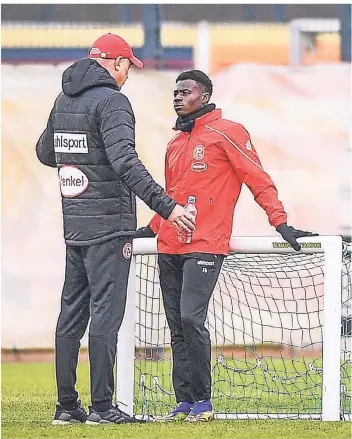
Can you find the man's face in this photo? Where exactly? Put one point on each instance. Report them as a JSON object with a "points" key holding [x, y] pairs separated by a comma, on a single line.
{"points": [[189, 97], [122, 66]]}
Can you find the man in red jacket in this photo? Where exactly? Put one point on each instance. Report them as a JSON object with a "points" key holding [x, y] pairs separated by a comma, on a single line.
{"points": [[209, 158]]}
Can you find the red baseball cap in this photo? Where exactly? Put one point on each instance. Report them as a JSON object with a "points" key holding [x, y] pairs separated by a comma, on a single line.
{"points": [[111, 46]]}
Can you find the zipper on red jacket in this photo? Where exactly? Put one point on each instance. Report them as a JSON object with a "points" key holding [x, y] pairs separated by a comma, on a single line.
{"points": [[182, 168]]}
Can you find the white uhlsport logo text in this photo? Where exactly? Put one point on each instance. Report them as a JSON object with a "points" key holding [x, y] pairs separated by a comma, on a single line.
{"points": [[206, 263], [71, 143], [73, 181]]}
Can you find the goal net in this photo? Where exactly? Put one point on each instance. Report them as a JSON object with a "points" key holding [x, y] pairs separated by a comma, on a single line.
{"points": [[266, 322]]}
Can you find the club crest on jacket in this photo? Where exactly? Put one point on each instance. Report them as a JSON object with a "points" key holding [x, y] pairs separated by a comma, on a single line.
{"points": [[198, 152], [127, 250]]}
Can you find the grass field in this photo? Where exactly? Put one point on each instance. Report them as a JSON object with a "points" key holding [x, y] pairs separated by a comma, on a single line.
{"points": [[28, 402], [268, 385], [275, 385]]}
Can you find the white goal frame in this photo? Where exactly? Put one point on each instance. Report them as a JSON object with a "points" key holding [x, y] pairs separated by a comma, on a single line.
{"points": [[331, 246], [303, 33]]}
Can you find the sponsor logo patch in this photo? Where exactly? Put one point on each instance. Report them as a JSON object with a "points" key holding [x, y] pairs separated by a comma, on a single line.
{"points": [[127, 250], [198, 153], [199, 167], [73, 181], [71, 143]]}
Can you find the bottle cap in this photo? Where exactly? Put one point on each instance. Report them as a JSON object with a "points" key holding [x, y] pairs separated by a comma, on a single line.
{"points": [[192, 199]]}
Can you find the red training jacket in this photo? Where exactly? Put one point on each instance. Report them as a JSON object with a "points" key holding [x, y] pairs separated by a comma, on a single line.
{"points": [[211, 163]]}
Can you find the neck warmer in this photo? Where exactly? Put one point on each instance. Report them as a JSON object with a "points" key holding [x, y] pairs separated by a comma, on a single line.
{"points": [[186, 123]]}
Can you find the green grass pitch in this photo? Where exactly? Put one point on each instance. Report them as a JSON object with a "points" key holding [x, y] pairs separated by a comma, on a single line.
{"points": [[28, 402], [241, 386]]}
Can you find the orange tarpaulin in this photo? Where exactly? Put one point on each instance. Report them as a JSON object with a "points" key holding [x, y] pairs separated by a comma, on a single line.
{"points": [[299, 120]]}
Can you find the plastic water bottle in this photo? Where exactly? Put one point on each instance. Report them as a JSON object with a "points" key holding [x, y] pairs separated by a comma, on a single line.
{"points": [[184, 236]]}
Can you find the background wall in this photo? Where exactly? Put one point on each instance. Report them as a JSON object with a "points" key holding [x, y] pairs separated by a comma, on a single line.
{"points": [[299, 120], [187, 13], [228, 43]]}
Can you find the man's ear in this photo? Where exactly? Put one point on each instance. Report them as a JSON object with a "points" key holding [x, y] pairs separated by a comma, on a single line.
{"points": [[118, 63], [206, 98]]}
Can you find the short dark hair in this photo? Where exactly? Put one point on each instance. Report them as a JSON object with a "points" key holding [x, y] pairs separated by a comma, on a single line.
{"points": [[198, 76]]}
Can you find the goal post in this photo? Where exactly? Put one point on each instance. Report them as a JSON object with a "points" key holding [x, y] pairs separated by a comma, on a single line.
{"points": [[259, 341], [332, 329], [303, 34]]}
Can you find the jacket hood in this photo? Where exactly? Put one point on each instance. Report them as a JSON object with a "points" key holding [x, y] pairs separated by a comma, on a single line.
{"points": [[85, 74]]}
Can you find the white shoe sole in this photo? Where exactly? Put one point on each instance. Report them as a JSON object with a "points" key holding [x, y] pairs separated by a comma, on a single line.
{"points": [[59, 422], [210, 417]]}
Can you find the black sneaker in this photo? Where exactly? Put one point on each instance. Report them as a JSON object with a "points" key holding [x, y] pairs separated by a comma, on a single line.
{"points": [[111, 416], [63, 416]]}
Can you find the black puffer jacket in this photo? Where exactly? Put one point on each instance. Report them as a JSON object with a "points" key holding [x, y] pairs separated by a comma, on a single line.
{"points": [[90, 137]]}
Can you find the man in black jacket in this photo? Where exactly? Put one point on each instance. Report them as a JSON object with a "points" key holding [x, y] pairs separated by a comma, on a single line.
{"points": [[90, 138]]}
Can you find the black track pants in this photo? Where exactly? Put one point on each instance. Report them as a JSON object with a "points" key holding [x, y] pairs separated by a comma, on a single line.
{"points": [[187, 283], [95, 286]]}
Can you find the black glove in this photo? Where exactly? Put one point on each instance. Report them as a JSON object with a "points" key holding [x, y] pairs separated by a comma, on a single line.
{"points": [[290, 235], [144, 232]]}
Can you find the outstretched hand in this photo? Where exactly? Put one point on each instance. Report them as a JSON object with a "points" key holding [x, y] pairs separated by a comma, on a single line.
{"points": [[290, 234]]}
